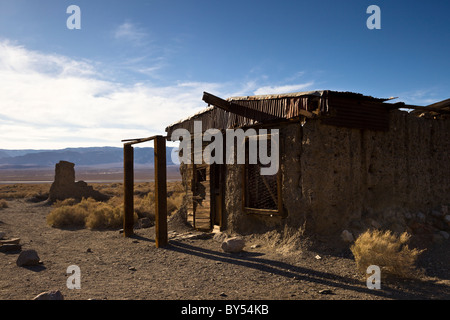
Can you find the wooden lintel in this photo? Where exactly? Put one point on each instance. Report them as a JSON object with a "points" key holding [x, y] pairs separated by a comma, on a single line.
{"points": [[238, 109]]}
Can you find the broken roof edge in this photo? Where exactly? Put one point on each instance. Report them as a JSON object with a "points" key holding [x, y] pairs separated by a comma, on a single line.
{"points": [[317, 93]]}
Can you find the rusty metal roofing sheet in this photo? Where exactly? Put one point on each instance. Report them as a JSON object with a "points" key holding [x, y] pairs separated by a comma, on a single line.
{"points": [[334, 108]]}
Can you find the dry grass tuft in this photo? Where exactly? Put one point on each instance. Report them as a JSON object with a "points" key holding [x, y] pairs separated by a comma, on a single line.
{"points": [[3, 204], [87, 213], [109, 215], [386, 250]]}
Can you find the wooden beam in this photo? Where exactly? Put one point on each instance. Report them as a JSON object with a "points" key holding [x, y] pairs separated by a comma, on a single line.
{"points": [[238, 109], [161, 237], [128, 165]]}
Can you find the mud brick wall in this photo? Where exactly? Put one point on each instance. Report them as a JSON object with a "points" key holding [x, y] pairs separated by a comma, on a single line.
{"points": [[337, 178]]}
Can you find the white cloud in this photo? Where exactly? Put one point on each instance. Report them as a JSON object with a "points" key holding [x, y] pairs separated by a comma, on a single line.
{"points": [[50, 101], [130, 32]]}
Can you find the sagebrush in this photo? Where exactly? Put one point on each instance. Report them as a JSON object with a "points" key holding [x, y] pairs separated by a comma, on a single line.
{"points": [[87, 213], [388, 251]]}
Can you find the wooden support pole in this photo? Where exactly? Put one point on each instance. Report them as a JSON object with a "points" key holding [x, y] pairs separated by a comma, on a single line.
{"points": [[161, 238], [128, 166]]}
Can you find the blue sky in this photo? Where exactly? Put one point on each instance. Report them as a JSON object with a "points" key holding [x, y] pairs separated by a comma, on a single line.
{"points": [[136, 66]]}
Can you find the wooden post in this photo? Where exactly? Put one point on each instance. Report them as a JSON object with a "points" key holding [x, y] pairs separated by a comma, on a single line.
{"points": [[128, 168], [161, 238]]}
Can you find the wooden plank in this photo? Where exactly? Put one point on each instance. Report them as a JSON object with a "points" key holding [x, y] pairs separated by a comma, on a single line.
{"points": [[161, 237], [240, 110], [128, 217]]}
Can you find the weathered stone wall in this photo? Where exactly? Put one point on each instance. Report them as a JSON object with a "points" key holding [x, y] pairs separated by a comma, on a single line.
{"points": [[337, 178], [64, 185]]}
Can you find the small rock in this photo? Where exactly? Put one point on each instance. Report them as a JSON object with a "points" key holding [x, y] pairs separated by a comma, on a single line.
{"points": [[28, 258], [375, 224], [255, 246], [10, 247], [2, 234], [347, 236], [420, 216], [50, 295], [132, 268], [88, 250], [10, 241], [326, 291], [436, 213], [145, 223], [447, 219], [233, 245], [223, 294], [220, 237], [318, 257], [444, 234]]}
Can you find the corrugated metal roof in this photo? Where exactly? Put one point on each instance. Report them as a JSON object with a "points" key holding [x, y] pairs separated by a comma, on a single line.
{"points": [[345, 109]]}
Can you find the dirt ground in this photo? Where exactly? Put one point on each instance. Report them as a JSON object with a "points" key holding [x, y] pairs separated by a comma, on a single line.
{"points": [[117, 268]]}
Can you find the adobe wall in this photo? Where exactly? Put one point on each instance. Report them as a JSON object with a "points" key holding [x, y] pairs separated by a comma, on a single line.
{"points": [[337, 178]]}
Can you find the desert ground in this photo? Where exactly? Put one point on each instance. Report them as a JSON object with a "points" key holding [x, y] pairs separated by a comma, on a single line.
{"points": [[193, 266]]}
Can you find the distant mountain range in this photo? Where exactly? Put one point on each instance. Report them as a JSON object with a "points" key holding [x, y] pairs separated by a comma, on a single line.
{"points": [[96, 156]]}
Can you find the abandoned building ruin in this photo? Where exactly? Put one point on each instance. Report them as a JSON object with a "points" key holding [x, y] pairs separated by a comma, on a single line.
{"points": [[347, 162], [65, 187]]}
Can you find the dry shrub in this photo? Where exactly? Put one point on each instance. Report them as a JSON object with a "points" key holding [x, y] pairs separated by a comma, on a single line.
{"points": [[3, 204], [109, 215], [87, 213], [24, 190], [285, 240], [386, 250]]}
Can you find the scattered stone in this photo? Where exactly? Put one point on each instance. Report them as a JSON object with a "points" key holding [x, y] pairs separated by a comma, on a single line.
{"points": [[132, 268], [318, 257], [145, 222], [255, 246], [89, 250], [50, 295], [420, 216], [326, 291], [2, 234], [447, 219], [223, 294], [408, 215], [375, 224], [444, 234], [10, 241], [233, 245], [220, 237], [347, 236], [10, 247], [436, 213], [28, 258]]}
